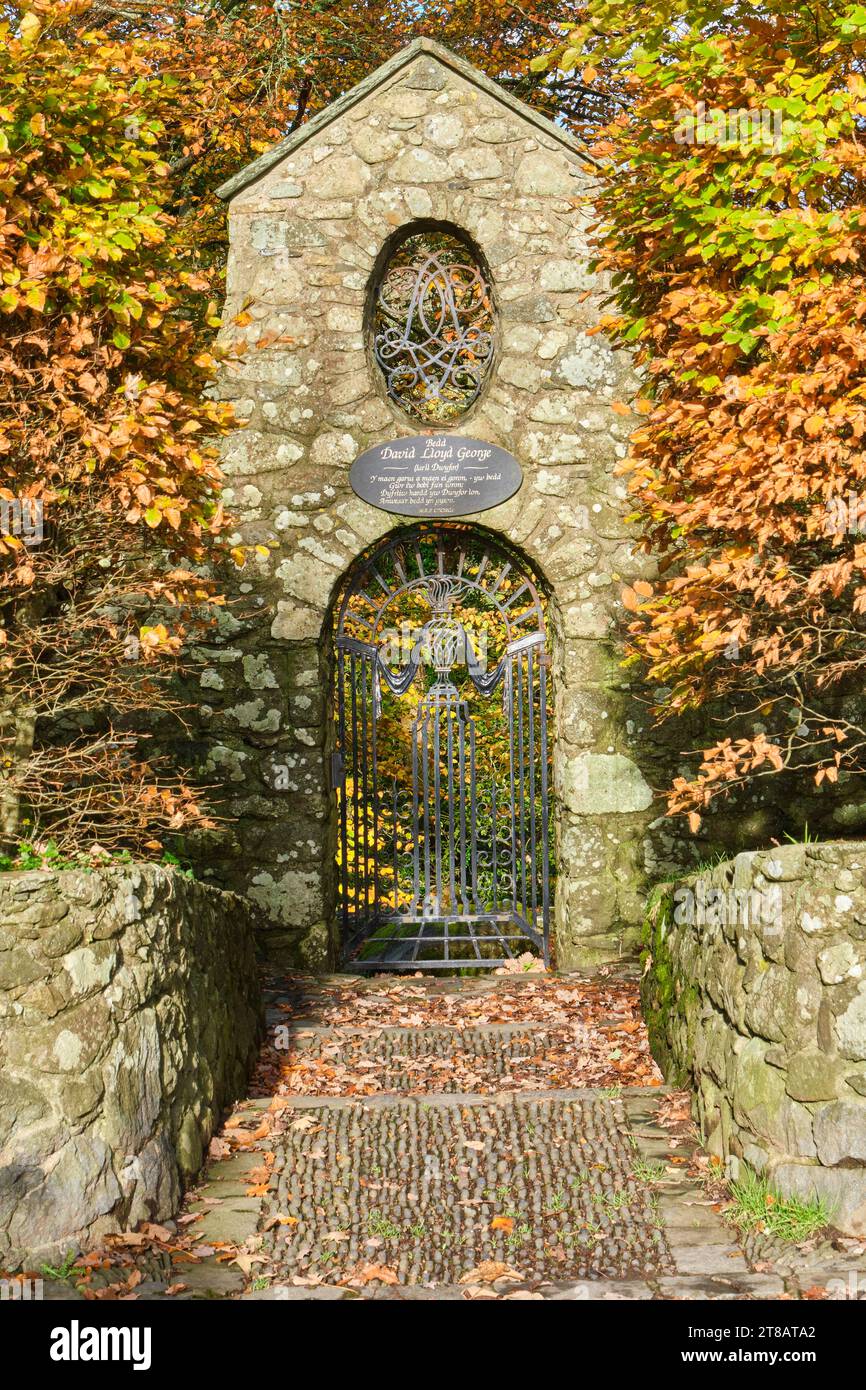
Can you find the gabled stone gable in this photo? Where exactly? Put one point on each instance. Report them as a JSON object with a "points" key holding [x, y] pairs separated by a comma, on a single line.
{"points": [[426, 143]]}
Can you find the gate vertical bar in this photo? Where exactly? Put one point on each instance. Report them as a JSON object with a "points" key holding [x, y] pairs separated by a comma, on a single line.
{"points": [[394, 820], [521, 784], [428, 836], [416, 851], [375, 778], [461, 769], [452, 875], [511, 780], [473, 862], [437, 805], [545, 813], [530, 686], [364, 858], [341, 789], [353, 669], [494, 846]]}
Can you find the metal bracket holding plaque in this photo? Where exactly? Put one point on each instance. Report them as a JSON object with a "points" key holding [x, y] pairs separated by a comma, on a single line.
{"points": [[437, 475]]}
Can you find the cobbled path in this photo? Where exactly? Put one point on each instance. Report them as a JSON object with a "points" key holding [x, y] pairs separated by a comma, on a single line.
{"points": [[432, 1189], [401, 1059], [432, 1160], [395, 1145]]}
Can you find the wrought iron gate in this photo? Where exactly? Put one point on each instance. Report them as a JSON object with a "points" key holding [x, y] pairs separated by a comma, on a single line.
{"points": [[443, 796]]}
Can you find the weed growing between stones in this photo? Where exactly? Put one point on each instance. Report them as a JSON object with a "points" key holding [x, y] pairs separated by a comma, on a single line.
{"points": [[68, 1272], [755, 1207], [46, 855], [644, 1170]]}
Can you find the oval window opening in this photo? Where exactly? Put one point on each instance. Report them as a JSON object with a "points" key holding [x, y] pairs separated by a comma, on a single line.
{"points": [[433, 326]]}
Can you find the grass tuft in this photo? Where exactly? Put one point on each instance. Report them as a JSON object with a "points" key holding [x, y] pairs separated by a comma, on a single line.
{"points": [[754, 1207]]}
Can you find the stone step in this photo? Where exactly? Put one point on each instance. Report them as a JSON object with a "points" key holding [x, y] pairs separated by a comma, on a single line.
{"points": [[572, 1193], [430, 1188], [447, 1058], [677, 1287]]}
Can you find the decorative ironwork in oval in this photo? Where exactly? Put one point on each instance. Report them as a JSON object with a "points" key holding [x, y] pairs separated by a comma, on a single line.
{"points": [[433, 326]]}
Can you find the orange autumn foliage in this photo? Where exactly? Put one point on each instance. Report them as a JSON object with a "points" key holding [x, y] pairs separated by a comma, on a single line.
{"points": [[732, 219]]}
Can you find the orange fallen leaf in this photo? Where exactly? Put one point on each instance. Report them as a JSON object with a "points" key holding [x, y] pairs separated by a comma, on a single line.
{"points": [[246, 1261], [489, 1271], [502, 1223], [369, 1274], [156, 1232]]}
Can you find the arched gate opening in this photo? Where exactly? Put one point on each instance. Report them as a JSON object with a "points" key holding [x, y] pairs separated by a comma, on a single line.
{"points": [[441, 765]]}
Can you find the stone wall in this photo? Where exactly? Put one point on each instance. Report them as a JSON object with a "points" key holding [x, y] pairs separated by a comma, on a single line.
{"points": [[426, 140], [130, 1009], [755, 994]]}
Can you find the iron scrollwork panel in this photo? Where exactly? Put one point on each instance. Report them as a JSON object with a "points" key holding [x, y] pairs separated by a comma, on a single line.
{"points": [[433, 328]]}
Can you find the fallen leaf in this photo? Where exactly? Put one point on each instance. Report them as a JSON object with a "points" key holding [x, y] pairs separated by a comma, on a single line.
{"points": [[246, 1262], [369, 1274], [489, 1272], [157, 1232]]}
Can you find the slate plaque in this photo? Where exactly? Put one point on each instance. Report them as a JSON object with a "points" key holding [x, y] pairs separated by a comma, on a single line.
{"points": [[435, 475]]}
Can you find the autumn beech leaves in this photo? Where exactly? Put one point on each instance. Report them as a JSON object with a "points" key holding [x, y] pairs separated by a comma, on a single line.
{"points": [[738, 274]]}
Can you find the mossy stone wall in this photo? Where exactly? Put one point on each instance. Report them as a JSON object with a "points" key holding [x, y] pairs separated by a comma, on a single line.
{"points": [[754, 992]]}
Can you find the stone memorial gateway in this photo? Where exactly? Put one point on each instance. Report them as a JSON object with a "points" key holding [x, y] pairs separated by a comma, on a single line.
{"points": [[408, 275], [430, 757]]}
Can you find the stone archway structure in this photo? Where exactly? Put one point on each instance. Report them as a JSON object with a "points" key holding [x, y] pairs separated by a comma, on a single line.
{"points": [[425, 141]]}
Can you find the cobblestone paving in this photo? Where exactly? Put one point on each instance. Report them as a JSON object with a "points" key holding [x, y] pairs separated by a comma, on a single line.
{"points": [[443, 1059], [423, 1152], [429, 1190]]}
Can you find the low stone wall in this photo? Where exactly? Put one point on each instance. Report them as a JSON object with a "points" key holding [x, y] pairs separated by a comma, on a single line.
{"points": [[129, 1016], [755, 994]]}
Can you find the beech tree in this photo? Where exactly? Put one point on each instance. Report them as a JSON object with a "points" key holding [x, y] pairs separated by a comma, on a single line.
{"points": [[108, 499], [732, 223], [118, 119]]}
